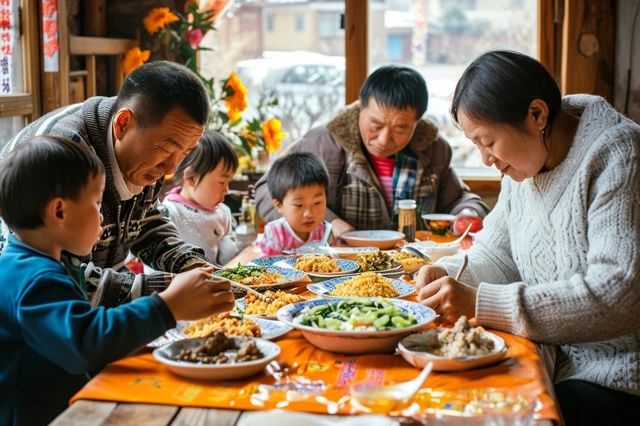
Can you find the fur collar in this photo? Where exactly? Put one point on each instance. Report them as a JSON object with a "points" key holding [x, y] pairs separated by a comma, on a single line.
{"points": [[344, 129]]}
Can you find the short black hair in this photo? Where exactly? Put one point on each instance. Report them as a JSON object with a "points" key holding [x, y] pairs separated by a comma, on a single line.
{"points": [[396, 87], [39, 170], [155, 88], [499, 86], [296, 170], [212, 148]]}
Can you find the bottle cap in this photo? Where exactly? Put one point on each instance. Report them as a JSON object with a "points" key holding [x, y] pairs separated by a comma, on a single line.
{"points": [[407, 204]]}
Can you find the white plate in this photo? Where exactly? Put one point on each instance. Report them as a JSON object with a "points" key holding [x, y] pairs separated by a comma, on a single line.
{"points": [[269, 330], [381, 238], [419, 358], [324, 288], [356, 342], [292, 418], [348, 252], [435, 250], [214, 371]]}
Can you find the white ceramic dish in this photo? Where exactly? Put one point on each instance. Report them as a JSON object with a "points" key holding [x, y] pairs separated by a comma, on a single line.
{"points": [[269, 330], [214, 371], [324, 288], [383, 239], [349, 253], [356, 342], [435, 250], [420, 358]]}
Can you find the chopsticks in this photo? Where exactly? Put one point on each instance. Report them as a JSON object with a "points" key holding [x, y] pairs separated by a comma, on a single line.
{"points": [[465, 261], [245, 288]]}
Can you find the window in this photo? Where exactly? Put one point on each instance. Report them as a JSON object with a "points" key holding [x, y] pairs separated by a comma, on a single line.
{"points": [[300, 60], [299, 22], [270, 22], [17, 73], [440, 38]]}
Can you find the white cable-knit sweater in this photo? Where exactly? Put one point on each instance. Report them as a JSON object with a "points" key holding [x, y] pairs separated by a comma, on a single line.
{"points": [[558, 260]]}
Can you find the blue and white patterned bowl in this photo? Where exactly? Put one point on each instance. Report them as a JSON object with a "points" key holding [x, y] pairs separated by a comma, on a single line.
{"points": [[288, 277], [326, 287], [269, 330], [356, 342], [268, 260], [346, 267]]}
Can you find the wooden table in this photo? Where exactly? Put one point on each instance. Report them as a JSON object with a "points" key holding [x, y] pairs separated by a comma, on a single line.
{"points": [[86, 412]]}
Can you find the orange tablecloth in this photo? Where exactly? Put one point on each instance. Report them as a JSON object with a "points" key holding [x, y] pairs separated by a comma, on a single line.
{"points": [[141, 379]]}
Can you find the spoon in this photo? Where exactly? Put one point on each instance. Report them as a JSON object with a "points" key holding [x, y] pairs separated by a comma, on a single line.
{"points": [[465, 261], [398, 392], [460, 238], [417, 252]]}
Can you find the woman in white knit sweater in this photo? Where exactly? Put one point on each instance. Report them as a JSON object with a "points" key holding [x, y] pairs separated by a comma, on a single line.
{"points": [[558, 260]]}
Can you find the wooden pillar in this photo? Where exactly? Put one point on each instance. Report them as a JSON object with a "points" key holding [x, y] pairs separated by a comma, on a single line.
{"points": [[356, 46], [95, 25], [588, 47]]}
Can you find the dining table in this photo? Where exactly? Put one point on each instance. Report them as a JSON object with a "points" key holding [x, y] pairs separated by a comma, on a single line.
{"points": [[138, 390]]}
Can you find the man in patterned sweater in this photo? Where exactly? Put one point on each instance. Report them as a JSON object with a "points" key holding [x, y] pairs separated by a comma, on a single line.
{"points": [[141, 135]]}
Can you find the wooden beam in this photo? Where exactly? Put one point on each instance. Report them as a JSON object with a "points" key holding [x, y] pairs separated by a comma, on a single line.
{"points": [[65, 66], [547, 36], [13, 105], [31, 57], [356, 47], [79, 45]]}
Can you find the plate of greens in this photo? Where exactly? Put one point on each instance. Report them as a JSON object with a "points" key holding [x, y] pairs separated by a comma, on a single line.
{"points": [[262, 277]]}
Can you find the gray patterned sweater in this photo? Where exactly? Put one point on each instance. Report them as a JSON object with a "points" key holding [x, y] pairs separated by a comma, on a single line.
{"points": [[559, 258], [134, 224]]}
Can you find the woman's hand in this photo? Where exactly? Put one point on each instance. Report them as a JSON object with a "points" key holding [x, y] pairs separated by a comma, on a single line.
{"points": [[448, 297]]}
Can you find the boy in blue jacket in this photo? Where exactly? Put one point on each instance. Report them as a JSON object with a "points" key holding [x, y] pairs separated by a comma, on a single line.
{"points": [[51, 338]]}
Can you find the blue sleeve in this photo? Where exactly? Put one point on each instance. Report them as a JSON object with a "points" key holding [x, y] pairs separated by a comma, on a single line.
{"points": [[57, 321]]}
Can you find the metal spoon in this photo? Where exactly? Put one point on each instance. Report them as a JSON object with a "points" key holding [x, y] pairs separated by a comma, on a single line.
{"points": [[417, 252]]}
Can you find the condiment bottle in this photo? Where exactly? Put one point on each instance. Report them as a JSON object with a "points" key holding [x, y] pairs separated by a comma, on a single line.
{"points": [[245, 231], [407, 219]]}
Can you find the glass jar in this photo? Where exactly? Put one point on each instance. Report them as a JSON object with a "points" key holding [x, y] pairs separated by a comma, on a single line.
{"points": [[407, 219]]}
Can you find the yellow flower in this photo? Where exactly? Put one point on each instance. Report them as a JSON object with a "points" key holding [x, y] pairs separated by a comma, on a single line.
{"points": [[237, 101], [272, 134], [158, 18], [133, 58]]}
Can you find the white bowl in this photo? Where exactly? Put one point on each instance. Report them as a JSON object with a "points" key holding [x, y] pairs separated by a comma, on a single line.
{"points": [[382, 238], [214, 371], [437, 217], [420, 358], [356, 342], [435, 250]]}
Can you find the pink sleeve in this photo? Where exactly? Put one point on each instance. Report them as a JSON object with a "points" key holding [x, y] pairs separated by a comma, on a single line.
{"points": [[270, 243]]}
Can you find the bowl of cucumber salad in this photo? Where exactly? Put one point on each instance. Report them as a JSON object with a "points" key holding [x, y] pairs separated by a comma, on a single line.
{"points": [[356, 325]]}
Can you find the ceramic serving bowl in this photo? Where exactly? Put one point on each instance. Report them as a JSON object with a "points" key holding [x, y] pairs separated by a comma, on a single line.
{"points": [[355, 342], [438, 224], [382, 239]]}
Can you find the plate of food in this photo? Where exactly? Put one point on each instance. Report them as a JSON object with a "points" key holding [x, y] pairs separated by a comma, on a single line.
{"points": [[367, 284], [232, 325], [321, 267], [347, 252], [409, 261], [262, 277], [252, 306], [380, 261], [461, 347], [268, 260], [356, 325], [382, 238], [217, 357]]}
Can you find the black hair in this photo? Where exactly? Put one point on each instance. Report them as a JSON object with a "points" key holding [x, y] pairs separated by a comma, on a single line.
{"points": [[155, 88], [213, 147], [396, 87], [499, 86], [39, 170], [296, 170]]}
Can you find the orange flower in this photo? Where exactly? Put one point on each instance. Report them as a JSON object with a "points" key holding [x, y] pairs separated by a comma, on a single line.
{"points": [[158, 18], [133, 59], [214, 7], [237, 101], [272, 134]]}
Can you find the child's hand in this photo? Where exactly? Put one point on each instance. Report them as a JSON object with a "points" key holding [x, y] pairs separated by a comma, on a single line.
{"points": [[196, 294]]}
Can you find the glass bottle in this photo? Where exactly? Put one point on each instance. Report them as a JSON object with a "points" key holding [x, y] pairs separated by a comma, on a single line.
{"points": [[407, 219], [245, 231]]}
